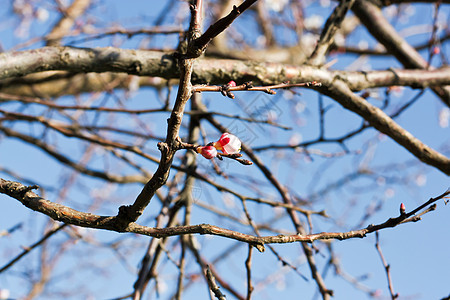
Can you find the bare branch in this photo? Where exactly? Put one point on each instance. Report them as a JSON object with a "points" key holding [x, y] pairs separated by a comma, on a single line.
{"points": [[248, 266], [372, 17], [213, 71], [339, 91], [386, 266], [331, 26], [68, 215], [33, 246], [200, 43], [213, 285], [62, 27]]}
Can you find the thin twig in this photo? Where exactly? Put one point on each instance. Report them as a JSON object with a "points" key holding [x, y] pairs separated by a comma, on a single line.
{"points": [[200, 43], [333, 23], [33, 246], [213, 285], [248, 266], [269, 89], [387, 268]]}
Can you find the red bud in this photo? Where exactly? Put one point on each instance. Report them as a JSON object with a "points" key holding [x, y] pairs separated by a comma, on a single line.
{"points": [[208, 152]]}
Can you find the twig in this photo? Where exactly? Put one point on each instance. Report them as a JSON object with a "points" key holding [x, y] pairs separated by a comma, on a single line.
{"points": [[132, 212], [248, 266], [334, 262], [340, 92], [30, 248], [376, 52], [372, 17], [326, 293], [62, 27], [67, 161], [213, 285], [200, 44], [333, 23], [387, 268], [70, 216], [283, 261], [269, 89], [204, 264], [237, 117], [132, 32], [11, 230]]}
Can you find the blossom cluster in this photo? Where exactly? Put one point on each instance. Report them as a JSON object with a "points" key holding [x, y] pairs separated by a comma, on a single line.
{"points": [[228, 144]]}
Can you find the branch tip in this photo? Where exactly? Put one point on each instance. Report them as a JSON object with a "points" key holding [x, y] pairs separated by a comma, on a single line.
{"points": [[260, 247]]}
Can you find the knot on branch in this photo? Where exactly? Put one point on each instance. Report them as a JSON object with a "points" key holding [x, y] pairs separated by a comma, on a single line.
{"points": [[125, 216], [163, 147], [15, 189], [260, 247], [136, 68], [194, 51], [26, 189], [236, 10]]}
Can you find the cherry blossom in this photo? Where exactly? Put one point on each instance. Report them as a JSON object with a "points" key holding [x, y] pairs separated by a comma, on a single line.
{"points": [[228, 143]]}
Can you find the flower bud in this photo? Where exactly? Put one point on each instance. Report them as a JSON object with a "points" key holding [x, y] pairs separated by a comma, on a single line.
{"points": [[402, 209], [228, 143], [231, 83], [436, 50], [208, 152]]}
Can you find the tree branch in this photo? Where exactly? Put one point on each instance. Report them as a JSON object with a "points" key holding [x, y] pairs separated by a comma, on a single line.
{"points": [[213, 285], [200, 44], [372, 17], [62, 27], [339, 91], [29, 248], [62, 213], [387, 268], [326, 39], [212, 71]]}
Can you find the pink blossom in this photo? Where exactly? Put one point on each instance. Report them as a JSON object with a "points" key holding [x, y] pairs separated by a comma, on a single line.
{"points": [[436, 50], [228, 143], [208, 152]]}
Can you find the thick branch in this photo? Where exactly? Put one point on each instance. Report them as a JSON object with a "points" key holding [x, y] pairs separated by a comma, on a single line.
{"points": [[339, 91], [372, 17], [213, 71], [131, 213], [83, 60], [168, 149], [68, 215]]}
